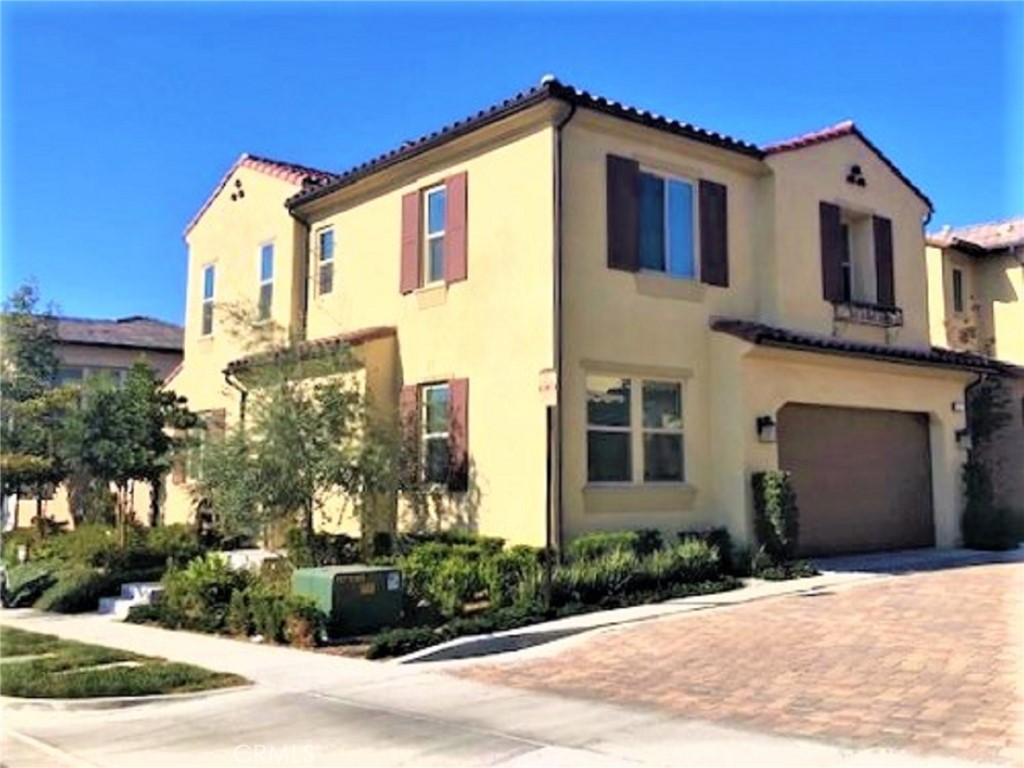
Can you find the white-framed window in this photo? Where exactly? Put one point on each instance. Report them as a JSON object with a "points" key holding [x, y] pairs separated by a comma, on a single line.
{"points": [[958, 289], [668, 225], [435, 420], [634, 430], [858, 258], [266, 300], [209, 276], [435, 202], [325, 261], [70, 374]]}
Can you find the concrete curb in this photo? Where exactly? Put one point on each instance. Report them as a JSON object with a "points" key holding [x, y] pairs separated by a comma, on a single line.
{"points": [[115, 702]]}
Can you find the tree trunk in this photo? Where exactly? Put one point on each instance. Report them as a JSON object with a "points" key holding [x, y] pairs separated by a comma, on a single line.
{"points": [[307, 526], [39, 511]]}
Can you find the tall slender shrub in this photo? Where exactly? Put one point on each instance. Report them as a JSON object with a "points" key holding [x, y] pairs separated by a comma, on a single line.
{"points": [[776, 517]]}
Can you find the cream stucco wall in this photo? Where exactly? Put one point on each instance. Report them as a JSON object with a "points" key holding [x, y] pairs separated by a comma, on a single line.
{"points": [[229, 235], [654, 327], [803, 179], [495, 328]]}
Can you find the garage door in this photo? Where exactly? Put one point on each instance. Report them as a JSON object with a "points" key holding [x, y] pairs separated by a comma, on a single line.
{"points": [[862, 477]]}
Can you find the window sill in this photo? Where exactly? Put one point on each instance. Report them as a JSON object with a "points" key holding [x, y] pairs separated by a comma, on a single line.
{"points": [[662, 286], [862, 313], [433, 295], [627, 498]]}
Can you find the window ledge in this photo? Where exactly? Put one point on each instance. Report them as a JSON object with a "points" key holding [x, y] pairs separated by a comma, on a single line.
{"points": [[433, 295], [627, 498], [661, 286], [867, 314]]}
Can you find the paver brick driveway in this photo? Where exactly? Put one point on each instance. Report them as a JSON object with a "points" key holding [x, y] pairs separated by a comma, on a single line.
{"points": [[927, 662]]}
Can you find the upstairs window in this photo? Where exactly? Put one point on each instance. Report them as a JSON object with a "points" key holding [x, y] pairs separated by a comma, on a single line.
{"points": [[667, 226], [325, 269], [435, 202], [207, 311], [856, 257], [266, 299], [958, 290]]}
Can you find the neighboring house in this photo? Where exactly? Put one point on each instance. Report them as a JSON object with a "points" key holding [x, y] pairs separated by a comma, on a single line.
{"points": [[89, 347], [610, 319], [976, 295]]}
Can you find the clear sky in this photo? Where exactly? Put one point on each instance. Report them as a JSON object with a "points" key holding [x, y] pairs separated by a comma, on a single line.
{"points": [[118, 119]]}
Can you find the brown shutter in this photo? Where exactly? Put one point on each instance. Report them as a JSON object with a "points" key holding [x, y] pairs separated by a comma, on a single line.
{"points": [[409, 421], [886, 295], [458, 479], [410, 277], [623, 180], [456, 262], [714, 233], [831, 252]]}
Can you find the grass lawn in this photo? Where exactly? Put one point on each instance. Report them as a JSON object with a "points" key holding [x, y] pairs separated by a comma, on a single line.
{"points": [[35, 666]]}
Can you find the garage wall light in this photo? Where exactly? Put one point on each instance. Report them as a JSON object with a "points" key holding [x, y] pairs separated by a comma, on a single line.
{"points": [[766, 429], [963, 439], [958, 406]]}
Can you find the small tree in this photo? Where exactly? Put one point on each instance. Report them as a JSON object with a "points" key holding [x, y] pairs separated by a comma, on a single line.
{"points": [[308, 438], [129, 433], [33, 408], [984, 524]]}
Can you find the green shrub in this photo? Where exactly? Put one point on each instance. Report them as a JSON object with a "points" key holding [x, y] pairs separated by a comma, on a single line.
{"points": [[446, 575], [984, 525], [797, 569], [648, 541], [513, 577], [12, 540], [146, 614], [719, 539], [405, 543], [593, 581], [399, 642], [178, 542], [238, 620], [323, 549], [698, 561], [27, 582], [455, 582], [304, 623], [198, 595], [776, 518], [598, 545]]}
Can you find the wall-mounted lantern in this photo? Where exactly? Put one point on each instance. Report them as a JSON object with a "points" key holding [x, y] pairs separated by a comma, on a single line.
{"points": [[958, 406], [766, 432], [963, 439]]}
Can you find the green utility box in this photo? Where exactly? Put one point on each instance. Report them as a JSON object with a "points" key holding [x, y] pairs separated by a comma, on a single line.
{"points": [[356, 598]]}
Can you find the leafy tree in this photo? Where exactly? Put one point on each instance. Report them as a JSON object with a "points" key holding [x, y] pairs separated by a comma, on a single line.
{"points": [[33, 408], [308, 438], [130, 433]]}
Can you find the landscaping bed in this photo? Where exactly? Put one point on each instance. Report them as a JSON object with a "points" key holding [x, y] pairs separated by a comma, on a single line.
{"points": [[38, 666]]}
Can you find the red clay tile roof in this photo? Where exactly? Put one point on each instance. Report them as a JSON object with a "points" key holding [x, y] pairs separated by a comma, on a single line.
{"points": [[772, 336], [314, 347], [290, 172], [990, 236], [838, 131], [549, 88], [134, 332]]}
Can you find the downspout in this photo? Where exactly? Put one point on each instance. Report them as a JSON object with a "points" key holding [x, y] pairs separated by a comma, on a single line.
{"points": [[555, 532], [243, 393]]}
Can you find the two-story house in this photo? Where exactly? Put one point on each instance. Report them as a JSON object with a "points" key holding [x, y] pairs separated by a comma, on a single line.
{"points": [[976, 299], [610, 319]]}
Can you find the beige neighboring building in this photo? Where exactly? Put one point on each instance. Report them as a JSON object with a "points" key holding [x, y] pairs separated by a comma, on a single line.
{"points": [[604, 318], [89, 347], [976, 300]]}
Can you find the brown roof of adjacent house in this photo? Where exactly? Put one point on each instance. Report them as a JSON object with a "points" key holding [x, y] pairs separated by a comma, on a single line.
{"points": [[987, 237], [135, 332], [293, 173], [772, 336], [313, 348], [838, 131], [549, 88]]}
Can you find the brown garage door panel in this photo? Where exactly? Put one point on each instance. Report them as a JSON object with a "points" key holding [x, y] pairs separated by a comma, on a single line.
{"points": [[862, 477]]}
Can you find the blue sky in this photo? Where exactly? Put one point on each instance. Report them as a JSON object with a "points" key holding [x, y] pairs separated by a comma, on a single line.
{"points": [[118, 119]]}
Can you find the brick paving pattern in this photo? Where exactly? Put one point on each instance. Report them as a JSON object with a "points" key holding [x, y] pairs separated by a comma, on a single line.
{"points": [[931, 663]]}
